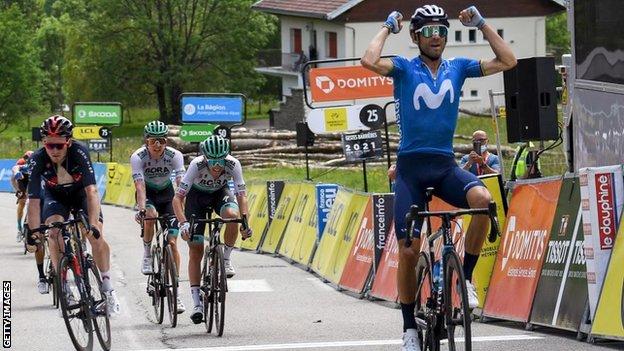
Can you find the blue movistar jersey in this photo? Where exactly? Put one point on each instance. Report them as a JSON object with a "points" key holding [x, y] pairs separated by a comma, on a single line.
{"points": [[427, 106]]}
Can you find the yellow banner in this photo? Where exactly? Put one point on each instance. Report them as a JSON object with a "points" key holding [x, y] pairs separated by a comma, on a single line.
{"points": [[257, 217], [343, 247], [483, 270], [126, 185], [302, 253], [609, 318], [113, 187], [282, 216], [86, 132], [304, 208], [333, 232]]}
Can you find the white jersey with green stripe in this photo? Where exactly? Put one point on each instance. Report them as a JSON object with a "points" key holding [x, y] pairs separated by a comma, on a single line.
{"points": [[157, 173], [200, 178]]}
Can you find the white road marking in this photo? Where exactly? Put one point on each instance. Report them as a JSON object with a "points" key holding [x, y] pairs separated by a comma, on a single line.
{"points": [[354, 343], [319, 283], [252, 285]]}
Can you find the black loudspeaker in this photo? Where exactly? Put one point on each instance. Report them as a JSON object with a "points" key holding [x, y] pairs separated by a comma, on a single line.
{"points": [[531, 100], [304, 135]]}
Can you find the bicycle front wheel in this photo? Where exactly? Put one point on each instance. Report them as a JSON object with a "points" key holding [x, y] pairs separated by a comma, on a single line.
{"points": [[154, 283], [101, 320], [219, 288], [75, 311], [170, 276], [456, 310], [206, 290], [426, 318]]}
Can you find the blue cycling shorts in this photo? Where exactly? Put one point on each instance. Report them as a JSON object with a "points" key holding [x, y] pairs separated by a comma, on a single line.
{"points": [[415, 173]]}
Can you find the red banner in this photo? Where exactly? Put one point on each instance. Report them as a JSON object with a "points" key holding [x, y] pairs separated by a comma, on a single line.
{"points": [[385, 283], [360, 261], [348, 83], [605, 202], [521, 253]]}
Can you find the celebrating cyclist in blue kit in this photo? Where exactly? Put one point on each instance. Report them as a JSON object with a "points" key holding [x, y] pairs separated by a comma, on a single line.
{"points": [[426, 91]]}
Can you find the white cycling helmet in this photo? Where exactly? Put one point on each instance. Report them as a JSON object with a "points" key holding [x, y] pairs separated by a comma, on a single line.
{"points": [[428, 14]]}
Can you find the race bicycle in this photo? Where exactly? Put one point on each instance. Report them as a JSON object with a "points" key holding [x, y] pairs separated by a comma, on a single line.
{"points": [[441, 296], [214, 282], [80, 294], [163, 282]]}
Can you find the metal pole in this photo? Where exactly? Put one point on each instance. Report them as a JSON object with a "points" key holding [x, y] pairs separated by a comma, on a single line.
{"points": [[365, 180], [110, 141], [495, 118], [307, 159]]}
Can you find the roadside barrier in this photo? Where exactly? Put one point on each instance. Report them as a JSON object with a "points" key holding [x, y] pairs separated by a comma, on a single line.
{"points": [[294, 235], [258, 216], [522, 249], [384, 284], [272, 239], [561, 295]]}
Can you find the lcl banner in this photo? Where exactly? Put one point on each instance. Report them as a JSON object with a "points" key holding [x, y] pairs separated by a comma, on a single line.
{"points": [[348, 83], [602, 196]]}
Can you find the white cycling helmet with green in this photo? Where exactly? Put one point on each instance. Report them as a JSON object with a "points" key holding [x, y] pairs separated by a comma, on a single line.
{"points": [[215, 147], [155, 129]]}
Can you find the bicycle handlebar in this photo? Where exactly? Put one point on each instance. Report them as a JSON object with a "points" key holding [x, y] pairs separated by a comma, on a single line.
{"points": [[415, 214], [59, 225], [242, 221]]}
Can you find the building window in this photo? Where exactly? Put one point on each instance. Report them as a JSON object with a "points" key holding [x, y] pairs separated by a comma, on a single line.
{"points": [[295, 40], [501, 33], [472, 36], [458, 36], [331, 42], [474, 93]]}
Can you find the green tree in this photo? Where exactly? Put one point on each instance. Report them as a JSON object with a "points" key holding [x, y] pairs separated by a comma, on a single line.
{"points": [[131, 48], [51, 41], [19, 72], [557, 35]]}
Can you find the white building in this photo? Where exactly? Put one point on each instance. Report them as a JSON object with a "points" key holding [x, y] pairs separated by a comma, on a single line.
{"points": [[343, 28]]}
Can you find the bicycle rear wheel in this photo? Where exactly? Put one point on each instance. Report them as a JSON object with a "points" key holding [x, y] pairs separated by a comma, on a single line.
{"points": [[74, 309], [170, 283], [206, 290], [425, 317], [457, 313], [219, 288], [101, 321], [154, 282]]}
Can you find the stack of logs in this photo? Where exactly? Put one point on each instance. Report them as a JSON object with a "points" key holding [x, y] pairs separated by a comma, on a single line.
{"points": [[264, 148]]}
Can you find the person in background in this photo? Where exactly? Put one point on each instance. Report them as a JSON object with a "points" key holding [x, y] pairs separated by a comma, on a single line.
{"points": [[480, 161]]}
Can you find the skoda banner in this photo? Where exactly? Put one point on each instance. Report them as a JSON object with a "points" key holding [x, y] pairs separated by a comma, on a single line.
{"points": [[109, 113], [213, 108], [196, 133]]}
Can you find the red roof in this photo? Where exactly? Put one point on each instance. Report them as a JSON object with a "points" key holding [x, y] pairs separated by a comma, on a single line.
{"points": [[305, 8]]}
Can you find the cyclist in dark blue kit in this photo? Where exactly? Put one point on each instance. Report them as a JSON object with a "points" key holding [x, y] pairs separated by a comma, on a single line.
{"points": [[426, 91], [62, 179]]}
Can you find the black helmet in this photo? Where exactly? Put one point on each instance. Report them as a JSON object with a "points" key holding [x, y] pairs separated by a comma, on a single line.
{"points": [[427, 14]]}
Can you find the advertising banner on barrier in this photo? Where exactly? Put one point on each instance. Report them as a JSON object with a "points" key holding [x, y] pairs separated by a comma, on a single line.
{"points": [[274, 192], [348, 83], [361, 257], [333, 232], [304, 208], [5, 175], [384, 284], [523, 246], [602, 196], [325, 196], [346, 237], [561, 294], [383, 215], [101, 178], [113, 187], [609, 317], [273, 237], [302, 252], [257, 217]]}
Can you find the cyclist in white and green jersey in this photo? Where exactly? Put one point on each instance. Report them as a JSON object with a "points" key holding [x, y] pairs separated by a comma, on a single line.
{"points": [[153, 167]]}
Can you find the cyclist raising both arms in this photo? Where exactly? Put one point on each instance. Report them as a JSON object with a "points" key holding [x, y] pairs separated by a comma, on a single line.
{"points": [[62, 179], [153, 166], [426, 91], [205, 187]]}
